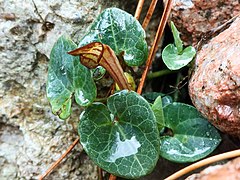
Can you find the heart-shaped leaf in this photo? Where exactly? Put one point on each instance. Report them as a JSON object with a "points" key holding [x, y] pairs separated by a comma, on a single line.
{"points": [[67, 76], [193, 136], [122, 137], [175, 61], [122, 32]]}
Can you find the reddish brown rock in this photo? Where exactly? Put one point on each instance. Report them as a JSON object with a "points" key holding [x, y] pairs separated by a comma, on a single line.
{"points": [[230, 171], [215, 83], [194, 17]]}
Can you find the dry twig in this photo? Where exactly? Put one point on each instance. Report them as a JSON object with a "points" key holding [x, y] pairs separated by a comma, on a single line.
{"points": [[204, 162], [154, 47], [100, 174], [139, 9], [112, 177], [60, 159], [149, 13]]}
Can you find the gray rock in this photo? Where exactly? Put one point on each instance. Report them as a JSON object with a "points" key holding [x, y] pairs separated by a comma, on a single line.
{"points": [[31, 137]]}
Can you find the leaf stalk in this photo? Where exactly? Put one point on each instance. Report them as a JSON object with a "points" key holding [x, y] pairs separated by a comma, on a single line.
{"points": [[160, 73], [60, 159]]}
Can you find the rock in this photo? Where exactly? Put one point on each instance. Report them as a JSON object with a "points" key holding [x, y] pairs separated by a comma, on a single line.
{"points": [[230, 170], [31, 137], [215, 83], [195, 17]]}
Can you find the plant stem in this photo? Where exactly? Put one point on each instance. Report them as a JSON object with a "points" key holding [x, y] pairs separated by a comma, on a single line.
{"points": [[154, 47], [204, 162], [60, 159], [100, 174], [160, 73], [139, 9], [175, 96], [149, 13], [101, 99], [112, 177]]}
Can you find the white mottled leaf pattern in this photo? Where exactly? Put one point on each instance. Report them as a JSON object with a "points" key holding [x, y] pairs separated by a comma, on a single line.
{"points": [[175, 61], [122, 137], [122, 32], [68, 77], [193, 136]]}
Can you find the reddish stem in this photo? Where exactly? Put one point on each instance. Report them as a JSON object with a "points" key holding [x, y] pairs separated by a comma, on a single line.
{"points": [[112, 177], [100, 174], [149, 13], [139, 9], [204, 162], [154, 47], [60, 159]]}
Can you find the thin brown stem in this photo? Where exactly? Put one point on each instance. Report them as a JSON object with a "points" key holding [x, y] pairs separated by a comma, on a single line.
{"points": [[149, 13], [112, 177], [100, 174], [204, 162], [139, 9], [154, 47], [60, 159]]}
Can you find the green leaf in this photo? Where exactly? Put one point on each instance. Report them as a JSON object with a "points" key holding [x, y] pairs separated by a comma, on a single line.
{"points": [[66, 109], [177, 41], [166, 100], [66, 76], [152, 96], [98, 72], [193, 136], [122, 32], [158, 112], [122, 137], [175, 61]]}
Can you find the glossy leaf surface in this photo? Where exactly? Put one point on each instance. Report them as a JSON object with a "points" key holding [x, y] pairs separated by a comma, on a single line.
{"points": [[122, 137], [122, 32], [193, 136], [67, 77], [157, 108], [98, 72], [152, 96], [175, 61]]}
